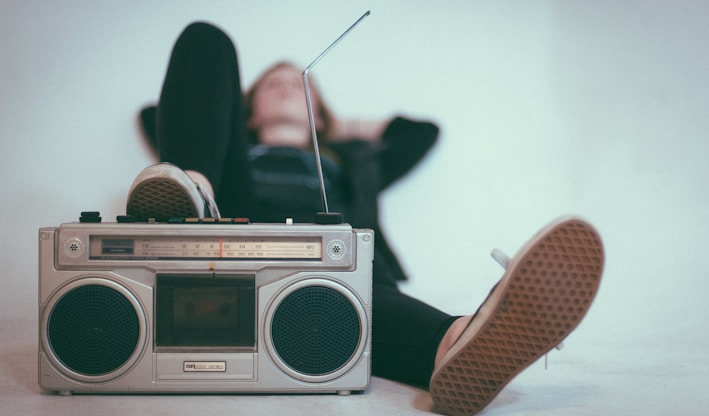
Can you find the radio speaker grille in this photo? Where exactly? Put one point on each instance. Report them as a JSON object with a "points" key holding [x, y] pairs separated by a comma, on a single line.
{"points": [[93, 330], [315, 330]]}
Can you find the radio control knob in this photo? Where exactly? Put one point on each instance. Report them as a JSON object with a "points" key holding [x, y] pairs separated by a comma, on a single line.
{"points": [[90, 216]]}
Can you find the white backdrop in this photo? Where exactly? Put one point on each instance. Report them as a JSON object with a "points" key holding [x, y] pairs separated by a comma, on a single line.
{"points": [[546, 108]]}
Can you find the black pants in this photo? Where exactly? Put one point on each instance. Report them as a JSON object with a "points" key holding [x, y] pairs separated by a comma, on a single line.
{"points": [[201, 126]]}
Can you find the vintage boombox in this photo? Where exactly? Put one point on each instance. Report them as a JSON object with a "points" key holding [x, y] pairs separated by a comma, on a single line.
{"points": [[205, 307], [213, 305]]}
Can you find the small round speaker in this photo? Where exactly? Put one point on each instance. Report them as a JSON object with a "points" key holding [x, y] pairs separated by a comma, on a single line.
{"points": [[317, 329], [94, 329]]}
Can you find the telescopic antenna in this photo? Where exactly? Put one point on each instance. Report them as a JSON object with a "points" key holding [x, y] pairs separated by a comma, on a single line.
{"points": [[325, 217]]}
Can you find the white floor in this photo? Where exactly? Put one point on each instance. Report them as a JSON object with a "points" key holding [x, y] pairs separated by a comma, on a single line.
{"points": [[589, 378], [546, 108]]}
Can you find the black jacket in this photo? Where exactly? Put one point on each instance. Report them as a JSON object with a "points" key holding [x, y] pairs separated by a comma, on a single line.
{"points": [[373, 166]]}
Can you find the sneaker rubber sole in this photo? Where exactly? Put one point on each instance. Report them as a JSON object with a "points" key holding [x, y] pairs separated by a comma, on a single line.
{"points": [[544, 294], [164, 191]]}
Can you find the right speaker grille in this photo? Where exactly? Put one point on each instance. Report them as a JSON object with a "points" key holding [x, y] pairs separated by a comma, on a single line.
{"points": [[315, 330]]}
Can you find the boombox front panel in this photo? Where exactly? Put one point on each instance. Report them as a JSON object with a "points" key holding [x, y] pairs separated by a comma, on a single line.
{"points": [[194, 325]]}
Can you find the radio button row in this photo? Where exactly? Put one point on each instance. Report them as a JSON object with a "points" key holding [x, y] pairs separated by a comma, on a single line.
{"points": [[129, 219], [210, 221]]}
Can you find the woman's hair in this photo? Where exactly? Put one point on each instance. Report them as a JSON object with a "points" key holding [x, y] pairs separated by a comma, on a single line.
{"points": [[321, 110]]}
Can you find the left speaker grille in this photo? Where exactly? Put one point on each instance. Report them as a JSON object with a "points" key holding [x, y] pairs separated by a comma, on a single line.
{"points": [[93, 330]]}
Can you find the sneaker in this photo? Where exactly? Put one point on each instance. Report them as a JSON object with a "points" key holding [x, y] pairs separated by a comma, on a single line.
{"points": [[544, 294], [164, 191]]}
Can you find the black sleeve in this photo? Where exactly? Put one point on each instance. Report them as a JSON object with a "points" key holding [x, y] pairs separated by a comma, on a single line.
{"points": [[404, 143]]}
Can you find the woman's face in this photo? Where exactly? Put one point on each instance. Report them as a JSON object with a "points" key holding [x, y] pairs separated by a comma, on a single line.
{"points": [[279, 99]]}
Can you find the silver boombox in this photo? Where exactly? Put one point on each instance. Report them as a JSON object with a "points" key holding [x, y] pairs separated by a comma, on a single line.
{"points": [[218, 307], [207, 306]]}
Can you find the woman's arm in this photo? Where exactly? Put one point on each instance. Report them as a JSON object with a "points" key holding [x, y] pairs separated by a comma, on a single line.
{"points": [[397, 144], [404, 143], [358, 129]]}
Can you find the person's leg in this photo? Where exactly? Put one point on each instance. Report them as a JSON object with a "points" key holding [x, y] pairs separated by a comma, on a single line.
{"points": [[406, 334], [194, 114], [200, 116]]}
